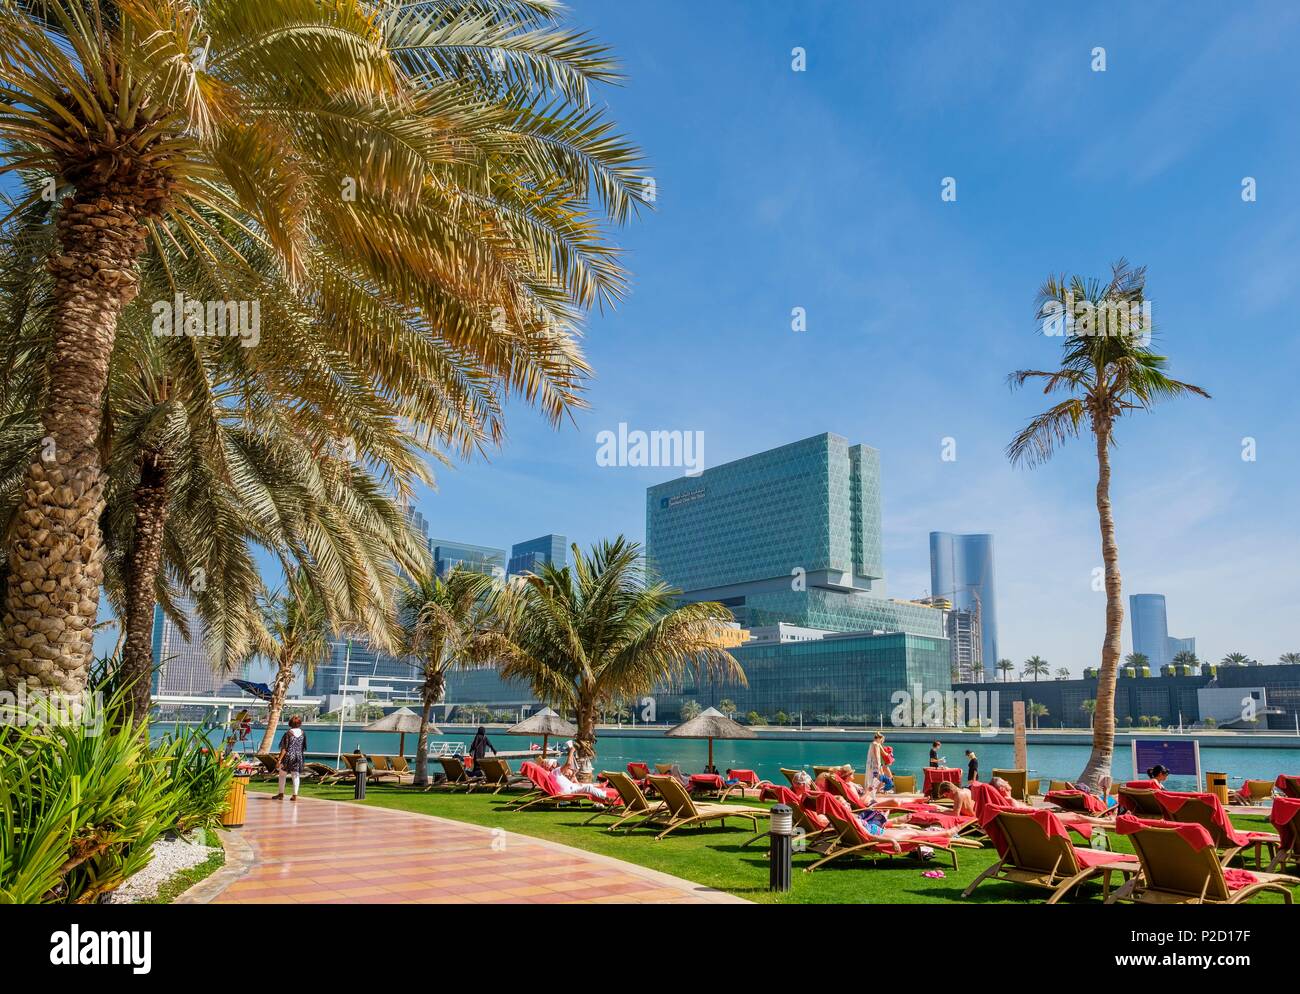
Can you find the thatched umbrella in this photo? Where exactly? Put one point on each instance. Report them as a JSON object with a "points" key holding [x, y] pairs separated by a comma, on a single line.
{"points": [[710, 724], [402, 720], [544, 723]]}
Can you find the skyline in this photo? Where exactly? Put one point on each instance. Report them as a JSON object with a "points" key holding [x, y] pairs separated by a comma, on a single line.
{"points": [[810, 195], [751, 222]]}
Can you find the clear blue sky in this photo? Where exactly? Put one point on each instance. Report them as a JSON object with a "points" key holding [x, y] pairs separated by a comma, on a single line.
{"points": [[821, 190]]}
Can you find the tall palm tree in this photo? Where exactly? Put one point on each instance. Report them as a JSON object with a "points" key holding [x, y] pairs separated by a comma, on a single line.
{"points": [[1137, 660], [603, 629], [448, 623], [1035, 666], [1289, 659], [1062, 673], [1235, 659], [1107, 371], [295, 639], [1006, 666], [1185, 657], [438, 167]]}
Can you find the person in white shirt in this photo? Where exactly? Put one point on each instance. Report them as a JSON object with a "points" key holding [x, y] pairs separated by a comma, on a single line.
{"points": [[564, 780]]}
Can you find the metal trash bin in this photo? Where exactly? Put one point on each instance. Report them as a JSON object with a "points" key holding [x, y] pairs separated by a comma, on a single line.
{"points": [[1217, 784], [236, 804]]}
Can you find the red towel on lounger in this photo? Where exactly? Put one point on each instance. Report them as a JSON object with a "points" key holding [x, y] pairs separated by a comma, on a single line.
{"points": [[1195, 836], [1172, 801], [988, 799], [747, 777], [1288, 785], [1144, 784], [1047, 819], [1093, 803], [1283, 817]]}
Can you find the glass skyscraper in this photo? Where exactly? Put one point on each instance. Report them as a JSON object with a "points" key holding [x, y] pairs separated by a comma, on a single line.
{"points": [[788, 535], [526, 557], [961, 570], [1151, 631], [792, 537], [182, 667]]}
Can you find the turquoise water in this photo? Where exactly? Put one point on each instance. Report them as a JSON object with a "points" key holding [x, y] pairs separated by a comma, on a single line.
{"points": [[766, 756]]}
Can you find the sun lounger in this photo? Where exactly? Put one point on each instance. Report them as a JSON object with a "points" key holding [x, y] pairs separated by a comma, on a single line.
{"points": [[739, 781], [498, 776], [1076, 800], [1034, 848], [1141, 801], [1019, 780], [1254, 791], [682, 810], [548, 793], [455, 776], [850, 837], [905, 785], [1288, 785], [1207, 810], [638, 772], [386, 768], [322, 773], [838, 788], [635, 803], [1179, 866], [1285, 817], [810, 825]]}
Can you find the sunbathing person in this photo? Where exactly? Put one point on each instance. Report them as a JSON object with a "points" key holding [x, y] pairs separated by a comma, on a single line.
{"points": [[859, 795], [963, 804], [565, 782]]}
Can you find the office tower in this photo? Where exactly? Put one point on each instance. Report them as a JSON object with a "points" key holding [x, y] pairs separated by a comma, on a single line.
{"points": [[961, 569], [181, 665], [789, 541], [448, 554], [1150, 628], [526, 557]]}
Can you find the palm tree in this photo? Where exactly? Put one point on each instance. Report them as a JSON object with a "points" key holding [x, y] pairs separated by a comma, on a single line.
{"points": [[1137, 660], [603, 628], [1184, 657], [1037, 666], [728, 707], [1089, 707], [1235, 659], [1289, 659], [448, 623], [1037, 711], [437, 167], [1107, 375], [689, 709], [295, 639], [1062, 673], [1006, 666]]}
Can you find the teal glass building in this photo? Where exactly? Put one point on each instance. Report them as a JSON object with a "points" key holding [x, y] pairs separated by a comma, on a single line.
{"points": [[793, 536], [788, 535], [526, 557]]}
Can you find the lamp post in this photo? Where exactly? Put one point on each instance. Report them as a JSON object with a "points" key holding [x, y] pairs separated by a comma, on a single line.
{"points": [[780, 849], [362, 768]]}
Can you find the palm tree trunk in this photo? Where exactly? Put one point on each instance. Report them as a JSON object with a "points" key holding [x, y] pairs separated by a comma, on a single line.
{"points": [[280, 690], [585, 741], [56, 555], [1103, 719], [150, 499], [434, 683]]}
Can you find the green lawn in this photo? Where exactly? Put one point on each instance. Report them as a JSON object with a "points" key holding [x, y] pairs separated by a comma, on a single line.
{"points": [[712, 856]]}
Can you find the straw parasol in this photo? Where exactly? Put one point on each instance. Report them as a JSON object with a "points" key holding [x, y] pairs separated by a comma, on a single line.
{"points": [[402, 721], [544, 723], [710, 724]]}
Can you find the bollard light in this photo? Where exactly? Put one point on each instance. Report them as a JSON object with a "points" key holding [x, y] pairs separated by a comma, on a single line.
{"points": [[360, 793], [780, 850]]}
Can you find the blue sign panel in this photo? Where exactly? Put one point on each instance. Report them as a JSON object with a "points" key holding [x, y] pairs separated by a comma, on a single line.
{"points": [[1181, 757]]}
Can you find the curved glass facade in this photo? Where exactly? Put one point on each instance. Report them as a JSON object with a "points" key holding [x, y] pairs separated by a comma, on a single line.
{"points": [[961, 569]]}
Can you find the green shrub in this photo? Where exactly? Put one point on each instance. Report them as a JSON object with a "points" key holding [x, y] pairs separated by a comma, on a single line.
{"points": [[81, 804]]}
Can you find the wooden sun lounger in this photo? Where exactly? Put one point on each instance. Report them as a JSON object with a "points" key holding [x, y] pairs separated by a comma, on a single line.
{"points": [[1175, 872], [682, 810], [850, 838], [1030, 856], [635, 804], [498, 776]]}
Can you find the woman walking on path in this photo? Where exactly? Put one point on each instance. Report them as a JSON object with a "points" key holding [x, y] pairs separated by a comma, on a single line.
{"points": [[293, 749]]}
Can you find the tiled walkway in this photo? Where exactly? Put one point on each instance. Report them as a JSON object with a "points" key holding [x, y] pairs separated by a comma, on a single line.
{"points": [[316, 852]]}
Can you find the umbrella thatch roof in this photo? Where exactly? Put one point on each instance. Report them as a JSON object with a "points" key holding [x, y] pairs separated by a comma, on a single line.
{"points": [[544, 722], [710, 724], [402, 720]]}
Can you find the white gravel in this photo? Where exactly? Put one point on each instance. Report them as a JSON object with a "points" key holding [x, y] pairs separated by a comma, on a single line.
{"points": [[170, 857]]}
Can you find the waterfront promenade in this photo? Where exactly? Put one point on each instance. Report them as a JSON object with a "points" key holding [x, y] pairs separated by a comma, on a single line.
{"points": [[334, 852]]}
